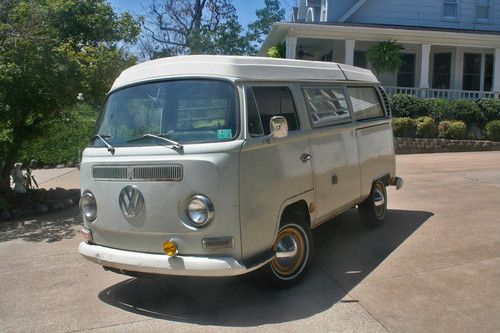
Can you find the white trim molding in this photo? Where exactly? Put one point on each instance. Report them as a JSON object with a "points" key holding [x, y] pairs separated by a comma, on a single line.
{"points": [[352, 10], [496, 71], [377, 34]]}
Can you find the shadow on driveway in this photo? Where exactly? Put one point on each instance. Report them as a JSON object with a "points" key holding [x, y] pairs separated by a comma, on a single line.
{"points": [[345, 253], [45, 228]]}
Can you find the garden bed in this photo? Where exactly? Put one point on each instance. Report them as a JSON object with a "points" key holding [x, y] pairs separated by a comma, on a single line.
{"points": [[419, 145], [35, 202]]}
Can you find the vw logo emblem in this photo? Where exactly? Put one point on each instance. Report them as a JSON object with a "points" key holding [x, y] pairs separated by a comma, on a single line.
{"points": [[131, 202]]}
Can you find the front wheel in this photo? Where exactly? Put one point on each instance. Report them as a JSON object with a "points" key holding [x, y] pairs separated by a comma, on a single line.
{"points": [[374, 208], [293, 250]]}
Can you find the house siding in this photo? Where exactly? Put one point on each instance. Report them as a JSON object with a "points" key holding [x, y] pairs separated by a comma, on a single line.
{"points": [[424, 13]]}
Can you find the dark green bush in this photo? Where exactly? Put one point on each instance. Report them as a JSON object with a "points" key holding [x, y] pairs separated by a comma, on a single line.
{"points": [[63, 137], [403, 127], [438, 109], [407, 106], [426, 127], [490, 108], [452, 129], [466, 111], [492, 130]]}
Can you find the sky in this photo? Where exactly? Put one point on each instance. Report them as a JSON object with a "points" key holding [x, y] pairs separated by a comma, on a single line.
{"points": [[245, 9]]}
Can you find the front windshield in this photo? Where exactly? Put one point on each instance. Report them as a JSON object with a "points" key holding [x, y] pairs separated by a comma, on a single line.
{"points": [[185, 111]]}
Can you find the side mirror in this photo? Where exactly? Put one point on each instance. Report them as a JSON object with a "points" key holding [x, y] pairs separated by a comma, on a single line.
{"points": [[279, 127]]}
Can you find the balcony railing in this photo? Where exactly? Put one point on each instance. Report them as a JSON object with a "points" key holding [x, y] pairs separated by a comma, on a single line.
{"points": [[448, 94]]}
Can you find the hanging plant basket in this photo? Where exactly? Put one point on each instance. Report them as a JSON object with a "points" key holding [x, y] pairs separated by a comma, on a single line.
{"points": [[385, 57]]}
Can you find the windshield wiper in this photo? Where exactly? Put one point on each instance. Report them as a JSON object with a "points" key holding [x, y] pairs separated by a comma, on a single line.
{"points": [[175, 144], [111, 149]]}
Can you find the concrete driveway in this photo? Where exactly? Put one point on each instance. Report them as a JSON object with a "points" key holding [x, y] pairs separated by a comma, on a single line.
{"points": [[433, 267]]}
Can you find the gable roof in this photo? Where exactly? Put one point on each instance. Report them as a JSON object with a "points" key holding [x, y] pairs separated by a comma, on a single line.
{"points": [[240, 67]]}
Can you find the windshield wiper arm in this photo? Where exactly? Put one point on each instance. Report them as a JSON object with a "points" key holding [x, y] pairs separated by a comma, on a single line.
{"points": [[149, 135], [111, 149]]}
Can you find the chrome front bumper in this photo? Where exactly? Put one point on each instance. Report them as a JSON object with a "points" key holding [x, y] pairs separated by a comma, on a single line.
{"points": [[164, 265]]}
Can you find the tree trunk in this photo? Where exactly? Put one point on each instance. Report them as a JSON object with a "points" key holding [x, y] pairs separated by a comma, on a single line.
{"points": [[195, 32]]}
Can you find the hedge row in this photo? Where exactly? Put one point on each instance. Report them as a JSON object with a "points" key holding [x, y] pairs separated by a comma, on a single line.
{"points": [[477, 112], [426, 127]]}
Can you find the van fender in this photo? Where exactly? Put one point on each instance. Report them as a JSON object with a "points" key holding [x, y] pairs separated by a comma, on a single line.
{"points": [[307, 196]]}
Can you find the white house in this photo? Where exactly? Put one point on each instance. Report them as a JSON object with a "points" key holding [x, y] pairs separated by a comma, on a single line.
{"points": [[451, 48]]}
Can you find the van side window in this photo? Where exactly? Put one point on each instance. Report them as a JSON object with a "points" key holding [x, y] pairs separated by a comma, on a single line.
{"points": [[275, 101], [365, 103], [326, 105], [254, 122]]}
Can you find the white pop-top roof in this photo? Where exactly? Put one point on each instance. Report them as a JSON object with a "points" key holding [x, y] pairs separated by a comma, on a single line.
{"points": [[239, 67]]}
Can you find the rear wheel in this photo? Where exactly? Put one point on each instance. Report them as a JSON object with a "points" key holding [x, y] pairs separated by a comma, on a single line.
{"points": [[374, 208], [293, 250]]}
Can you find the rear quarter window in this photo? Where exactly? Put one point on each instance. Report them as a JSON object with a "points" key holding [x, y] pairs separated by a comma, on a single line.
{"points": [[326, 105], [365, 103]]}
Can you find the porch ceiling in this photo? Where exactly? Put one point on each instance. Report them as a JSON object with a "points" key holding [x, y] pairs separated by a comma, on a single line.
{"points": [[371, 33]]}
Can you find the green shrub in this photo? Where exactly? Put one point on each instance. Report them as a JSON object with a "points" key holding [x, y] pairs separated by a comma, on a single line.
{"points": [[63, 137], [465, 110], [426, 127], [452, 129], [492, 130], [407, 106], [403, 127], [490, 108], [438, 109]]}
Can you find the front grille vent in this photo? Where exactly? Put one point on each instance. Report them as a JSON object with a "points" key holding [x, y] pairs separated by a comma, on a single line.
{"points": [[171, 172], [164, 172], [109, 173]]}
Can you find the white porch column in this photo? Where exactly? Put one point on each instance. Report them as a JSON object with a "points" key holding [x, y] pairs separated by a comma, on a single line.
{"points": [[424, 66], [349, 51], [496, 72], [291, 47]]}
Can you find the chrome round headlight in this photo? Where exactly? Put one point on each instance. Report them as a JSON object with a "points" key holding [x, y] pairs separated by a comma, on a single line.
{"points": [[199, 210], [88, 206]]}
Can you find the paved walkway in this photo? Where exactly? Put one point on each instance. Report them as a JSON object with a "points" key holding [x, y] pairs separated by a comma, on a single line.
{"points": [[67, 178], [434, 266]]}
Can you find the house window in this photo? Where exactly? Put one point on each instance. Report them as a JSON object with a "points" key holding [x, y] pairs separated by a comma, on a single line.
{"points": [[488, 72], [450, 9], [406, 73], [442, 71], [360, 59], [472, 71], [483, 9]]}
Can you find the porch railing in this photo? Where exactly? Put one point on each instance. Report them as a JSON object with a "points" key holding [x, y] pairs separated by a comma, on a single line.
{"points": [[448, 94]]}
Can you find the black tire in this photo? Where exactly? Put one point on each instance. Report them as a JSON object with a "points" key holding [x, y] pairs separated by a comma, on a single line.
{"points": [[374, 209], [295, 236]]}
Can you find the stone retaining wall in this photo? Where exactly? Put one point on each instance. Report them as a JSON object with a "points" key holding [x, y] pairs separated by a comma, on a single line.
{"points": [[415, 146]]}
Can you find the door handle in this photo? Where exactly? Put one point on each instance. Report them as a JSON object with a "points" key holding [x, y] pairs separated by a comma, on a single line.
{"points": [[305, 157]]}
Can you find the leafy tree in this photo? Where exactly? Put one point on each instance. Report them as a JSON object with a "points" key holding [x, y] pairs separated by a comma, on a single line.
{"points": [[204, 27], [385, 57], [266, 17], [187, 26], [50, 50]]}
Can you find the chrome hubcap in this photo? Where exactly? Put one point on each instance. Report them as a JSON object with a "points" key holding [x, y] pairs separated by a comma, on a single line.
{"points": [[286, 249], [289, 251], [379, 201], [378, 197]]}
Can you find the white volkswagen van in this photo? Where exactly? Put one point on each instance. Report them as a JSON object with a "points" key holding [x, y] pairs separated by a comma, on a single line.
{"points": [[222, 165]]}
